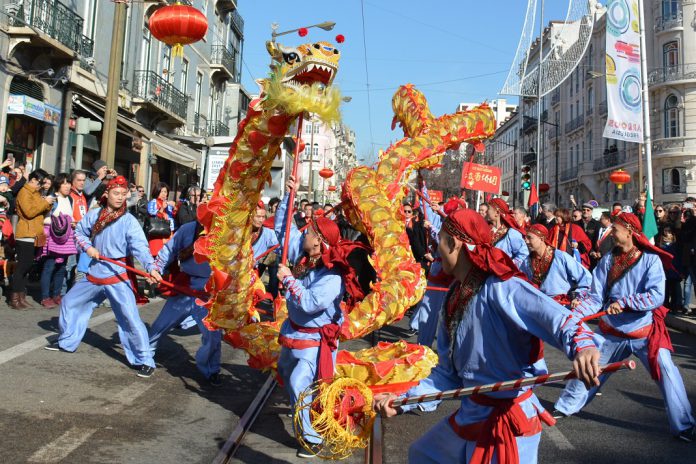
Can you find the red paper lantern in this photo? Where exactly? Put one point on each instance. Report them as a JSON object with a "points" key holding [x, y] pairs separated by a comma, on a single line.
{"points": [[302, 31], [178, 25], [620, 177], [340, 38], [543, 188], [326, 173], [332, 188]]}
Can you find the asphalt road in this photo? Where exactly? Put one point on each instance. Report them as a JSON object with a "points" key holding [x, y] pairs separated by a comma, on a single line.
{"points": [[626, 425]]}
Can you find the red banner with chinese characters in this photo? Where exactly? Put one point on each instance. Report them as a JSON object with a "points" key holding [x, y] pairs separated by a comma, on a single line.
{"points": [[435, 195], [481, 177]]}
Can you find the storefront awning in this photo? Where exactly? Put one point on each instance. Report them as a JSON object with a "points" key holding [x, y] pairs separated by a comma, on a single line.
{"points": [[160, 145]]}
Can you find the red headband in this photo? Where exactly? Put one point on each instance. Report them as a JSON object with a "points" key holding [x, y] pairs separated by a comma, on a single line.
{"points": [[538, 230], [117, 182], [505, 213]]}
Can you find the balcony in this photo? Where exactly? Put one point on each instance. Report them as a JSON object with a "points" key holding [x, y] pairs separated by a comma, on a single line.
{"points": [[575, 124], [218, 129], [160, 94], [671, 74], [200, 124], [237, 22], [59, 26], [529, 158], [665, 23], [669, 188], [673, 146], [609, 160], [529, 125], [569, 174], [222, 60]]}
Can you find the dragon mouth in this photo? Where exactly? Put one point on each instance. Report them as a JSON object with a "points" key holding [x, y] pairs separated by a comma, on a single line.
{"points": [[311, 73]]}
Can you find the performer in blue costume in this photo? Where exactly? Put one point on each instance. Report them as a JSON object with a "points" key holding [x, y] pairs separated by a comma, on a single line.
{"points": [[262, 238], [505, 232], [426, 314], [314, 291], [491, 318], [191, 275], [112, 232], [556, 273], [629, 283]]}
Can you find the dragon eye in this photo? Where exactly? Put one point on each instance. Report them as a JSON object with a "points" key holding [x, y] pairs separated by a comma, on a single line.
{"points": [[291, 57], [317, 46], [335, 51]]}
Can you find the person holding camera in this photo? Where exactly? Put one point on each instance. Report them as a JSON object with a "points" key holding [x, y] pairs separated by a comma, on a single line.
{"points": [[95, 187]]}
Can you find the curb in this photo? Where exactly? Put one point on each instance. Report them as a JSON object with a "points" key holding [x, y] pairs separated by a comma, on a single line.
{"points": [[681, 323]]}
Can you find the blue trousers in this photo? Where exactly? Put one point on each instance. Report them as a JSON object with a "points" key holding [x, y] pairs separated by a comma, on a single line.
{"points": [[175, 311], [76, 309], [440, 445], [427, 315], [576, 396], [52, 277], [298, 369]]}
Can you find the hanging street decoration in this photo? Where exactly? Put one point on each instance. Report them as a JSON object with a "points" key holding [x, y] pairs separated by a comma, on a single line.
{"points": [[620, 177], [178, 25]]}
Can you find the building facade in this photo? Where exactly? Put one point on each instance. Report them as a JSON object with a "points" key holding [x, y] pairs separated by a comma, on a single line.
{"points": [[173, 111], [575, 159]]}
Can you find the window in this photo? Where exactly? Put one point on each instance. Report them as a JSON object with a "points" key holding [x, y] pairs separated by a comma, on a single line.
{"points": [[674, 180], [308, 129], [166, 62], [145, 51], [670, 54], [588, 141], [590, 99], [670, 9], [199, 89], [184, 75], [672, 116]]}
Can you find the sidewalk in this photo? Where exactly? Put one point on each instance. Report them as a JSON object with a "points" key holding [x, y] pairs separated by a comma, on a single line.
{"points": [[683, 323]]}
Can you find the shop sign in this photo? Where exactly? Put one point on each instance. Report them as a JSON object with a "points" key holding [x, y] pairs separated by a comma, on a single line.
{"points": [[216, 160], [481, 177], [27, 106]]}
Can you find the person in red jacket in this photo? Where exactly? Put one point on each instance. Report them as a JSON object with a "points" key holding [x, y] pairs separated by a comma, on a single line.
{"points": [[569, 237]]}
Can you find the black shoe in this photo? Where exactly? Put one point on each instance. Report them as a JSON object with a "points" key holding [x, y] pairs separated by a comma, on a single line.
{"points": [[558, 414], [687, 435], [53, 346], [313, 452], [146, 371], [215, 380]]}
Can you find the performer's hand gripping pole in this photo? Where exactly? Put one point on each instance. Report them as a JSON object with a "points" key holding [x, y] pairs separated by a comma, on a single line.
{"points": [[291, 198], [178, 288]]}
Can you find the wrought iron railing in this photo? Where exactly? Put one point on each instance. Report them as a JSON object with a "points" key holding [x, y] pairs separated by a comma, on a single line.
{"points": [[56, 20], [218, 129], [663, 23], [669, 188], [680, 72], [152, 88], [220, 54], [569, 173], [575, 123], [237, 22], [610, 159], [200, 123], [673, 145]]}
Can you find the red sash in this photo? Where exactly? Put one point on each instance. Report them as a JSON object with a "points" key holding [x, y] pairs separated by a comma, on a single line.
{"points": [[108, 280], [497, 433], [327, 345]]}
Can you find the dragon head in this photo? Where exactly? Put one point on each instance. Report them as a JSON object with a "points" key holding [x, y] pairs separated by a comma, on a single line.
{"points": [[301, 79]]}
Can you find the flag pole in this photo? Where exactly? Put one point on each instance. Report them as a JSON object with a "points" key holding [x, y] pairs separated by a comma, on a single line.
{"points": [[647, 144]]}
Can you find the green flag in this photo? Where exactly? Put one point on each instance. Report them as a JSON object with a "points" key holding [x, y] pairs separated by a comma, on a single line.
{"points": [[649, 223]]}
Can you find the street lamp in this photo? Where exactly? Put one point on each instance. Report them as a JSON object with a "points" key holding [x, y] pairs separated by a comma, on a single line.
{"points": [[326, 25]]}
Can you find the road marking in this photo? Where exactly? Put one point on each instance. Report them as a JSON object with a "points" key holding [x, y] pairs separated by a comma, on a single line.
{"points": [[38, 342], [558, 439], [61, 447], [128, 395]]}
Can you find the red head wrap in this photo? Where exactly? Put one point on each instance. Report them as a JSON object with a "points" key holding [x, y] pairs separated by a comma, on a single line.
{"points": [[505, 213], [117, 182], [336, 252], [631, 222], [453, 204], [468, 226], [540, 231], [261, 205]]}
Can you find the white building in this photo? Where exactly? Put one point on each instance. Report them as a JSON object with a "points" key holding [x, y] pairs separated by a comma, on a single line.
{"points": [[575, 158], [501, 108]]}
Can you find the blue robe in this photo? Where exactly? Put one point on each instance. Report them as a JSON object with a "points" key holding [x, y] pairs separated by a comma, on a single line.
{"points": [[493, 342], [267, 239], [312, 301], [640, 291], [180, 307], [565, 275], [426, 314], [124, 237], [514, 246]]}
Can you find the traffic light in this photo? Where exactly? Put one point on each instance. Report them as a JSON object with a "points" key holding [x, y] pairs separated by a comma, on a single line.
{"points": [[526, 177]]}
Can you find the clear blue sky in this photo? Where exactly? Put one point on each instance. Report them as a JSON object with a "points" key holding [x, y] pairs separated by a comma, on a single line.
{"points": [[440, 46]]}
